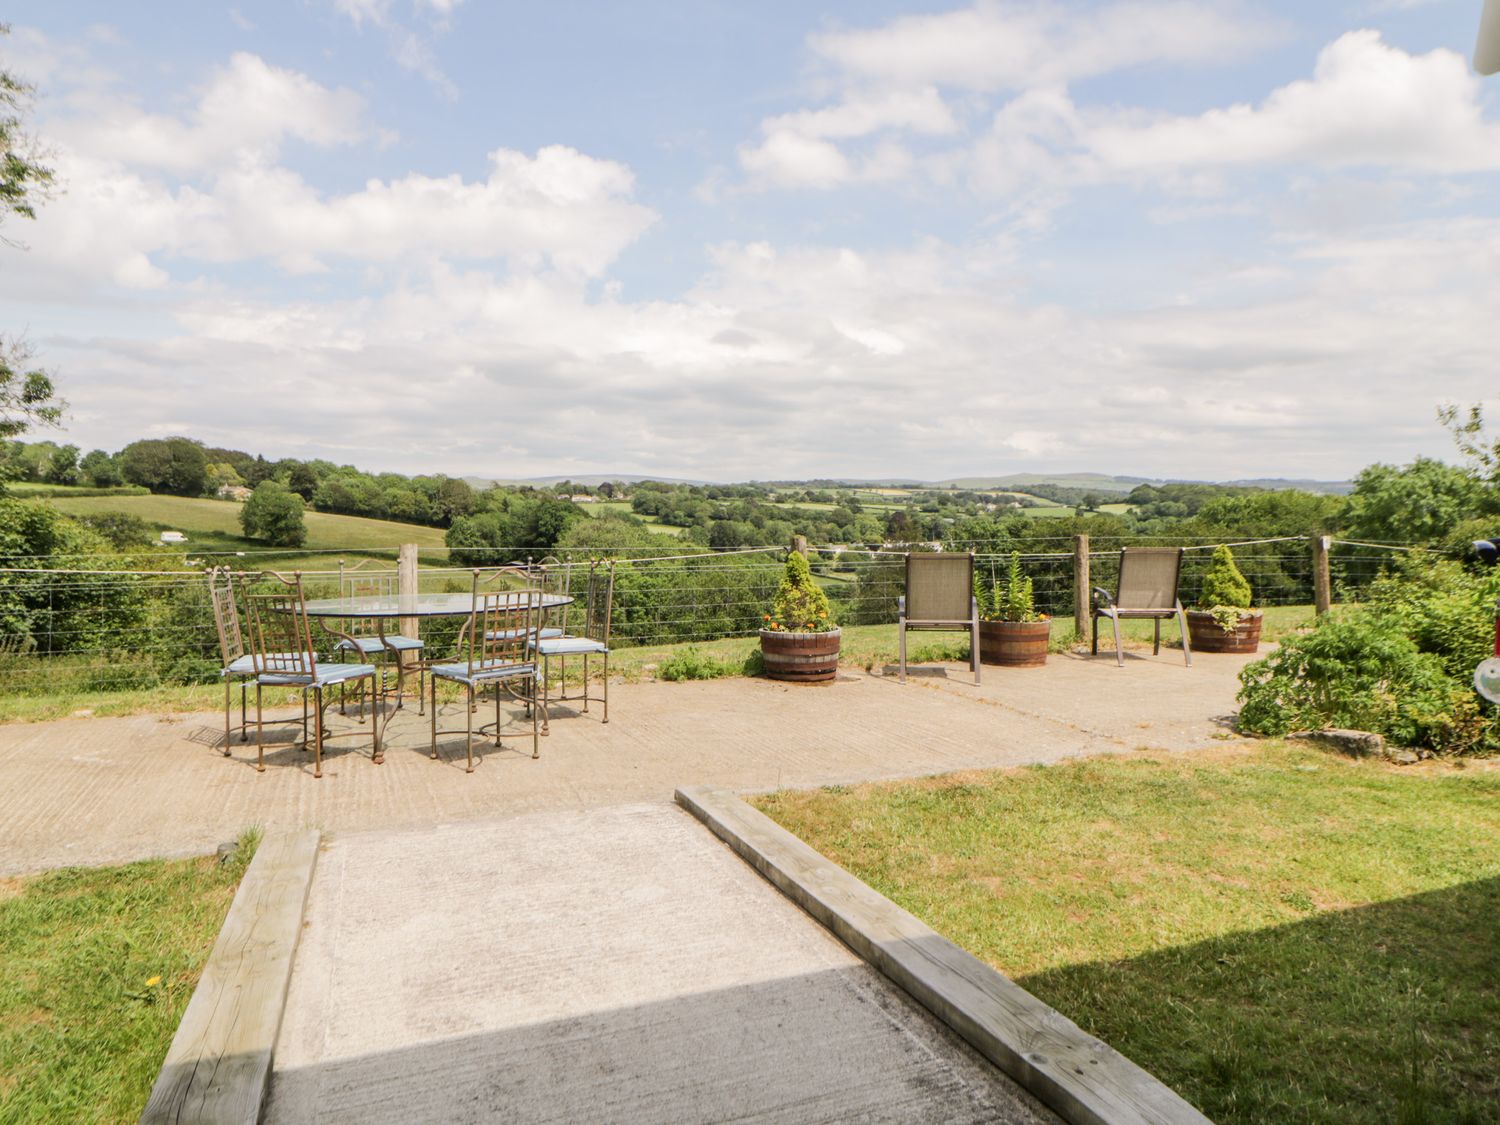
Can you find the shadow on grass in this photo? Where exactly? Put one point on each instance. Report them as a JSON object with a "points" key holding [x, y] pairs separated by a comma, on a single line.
{"points": [[1383, 1013]]}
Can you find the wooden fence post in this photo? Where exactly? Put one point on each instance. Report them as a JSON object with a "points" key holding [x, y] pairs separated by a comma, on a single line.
{"points": [[1322, 577], [1082, 590], [406, 583], [799, 544]]}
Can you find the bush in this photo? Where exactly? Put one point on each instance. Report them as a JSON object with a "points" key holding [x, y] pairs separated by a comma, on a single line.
{"points": [[1223, 584], [800, 605], [1400, 665], [1013, 598], [273, 514], [691, 664]]}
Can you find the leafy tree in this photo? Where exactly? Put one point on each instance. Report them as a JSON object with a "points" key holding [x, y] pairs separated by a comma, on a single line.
{"points": [[122, 530], [1416, 503], [63, 468], [173, 465], [27, 396], [220, 474], [100, 469], [302, 480], [274, 514]]}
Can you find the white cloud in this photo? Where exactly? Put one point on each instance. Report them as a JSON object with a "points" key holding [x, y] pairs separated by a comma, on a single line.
{"points": [[1011, 46], [412, 48], [249, 107]]}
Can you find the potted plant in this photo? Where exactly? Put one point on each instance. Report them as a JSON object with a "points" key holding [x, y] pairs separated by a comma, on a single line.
{"points": [[1223, 620], [799, 641], [1011, 631]]}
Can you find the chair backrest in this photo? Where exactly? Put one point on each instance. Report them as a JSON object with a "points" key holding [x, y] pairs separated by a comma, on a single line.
{"points": [[599, 608], [357, 583], [1148, 577], [281, 631], [501, 626], [226, 614], [554, 576], [939, 586]]}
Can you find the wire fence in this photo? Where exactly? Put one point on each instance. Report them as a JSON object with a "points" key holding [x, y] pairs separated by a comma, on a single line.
{"points": [[108, 623]]}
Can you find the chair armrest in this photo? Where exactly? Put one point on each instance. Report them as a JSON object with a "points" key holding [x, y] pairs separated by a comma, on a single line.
{"points": [[1102, 598], [901, 604]]}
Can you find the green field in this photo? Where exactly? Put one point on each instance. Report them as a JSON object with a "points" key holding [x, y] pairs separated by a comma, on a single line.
{"points": [[214, 525], [622, 507]]}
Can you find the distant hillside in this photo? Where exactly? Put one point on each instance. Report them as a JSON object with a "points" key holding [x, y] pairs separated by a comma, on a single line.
{"points": [[592, 480]]}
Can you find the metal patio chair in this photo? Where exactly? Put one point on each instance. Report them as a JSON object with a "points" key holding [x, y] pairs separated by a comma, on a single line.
{"points": [[1147, 590], [939, 596], [362, 634], [495, 652], [282, 647], [237, 662], [593, 641]]}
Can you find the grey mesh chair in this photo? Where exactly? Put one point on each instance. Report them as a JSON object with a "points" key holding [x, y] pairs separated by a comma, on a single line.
{"points": [[495, 652], [594, 641], [282, 647], [939, 595], [1147, 590]]}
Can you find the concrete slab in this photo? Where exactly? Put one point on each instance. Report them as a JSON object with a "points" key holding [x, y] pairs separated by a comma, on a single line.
{"points": [[611, 965], [101, 790]]}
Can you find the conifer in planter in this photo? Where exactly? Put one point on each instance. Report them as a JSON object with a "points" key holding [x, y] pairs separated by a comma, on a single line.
{"points": [[1011, 632], [799, 642], [1223, 620]]}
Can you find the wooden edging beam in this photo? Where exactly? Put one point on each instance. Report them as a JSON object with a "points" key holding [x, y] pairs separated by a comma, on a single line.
{"points": [[219, 1064], [1079, 1077]]}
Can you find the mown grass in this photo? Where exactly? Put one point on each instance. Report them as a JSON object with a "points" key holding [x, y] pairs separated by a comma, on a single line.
{"points": [[96, 968], [214, 525], [1278, 933], [862, 646]]}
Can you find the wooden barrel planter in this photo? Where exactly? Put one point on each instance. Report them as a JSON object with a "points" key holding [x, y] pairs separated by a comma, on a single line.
{"points": [[1015, 644], [800, 658], [1207, 635]]}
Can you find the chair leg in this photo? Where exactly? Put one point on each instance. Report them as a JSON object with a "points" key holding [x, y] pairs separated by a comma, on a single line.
{"points": [[901, 648], [226, 716], [260, 734], [585, 682], [974, 648], [1156, 636], [497, 715], [432, 686], [1096, 634], [377, 753], [317, 730], [244, 721], [1187, 649], [536, 745], [469, 718], [606, 686], [1114, 619]]}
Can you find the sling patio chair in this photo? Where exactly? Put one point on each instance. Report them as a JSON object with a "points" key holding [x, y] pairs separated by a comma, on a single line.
{"points": [[939, 595], [593, 641], [1147, 589], [494, 647], [282, 647], [362, 635]]}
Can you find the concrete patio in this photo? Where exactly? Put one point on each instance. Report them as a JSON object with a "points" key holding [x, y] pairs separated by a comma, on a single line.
{"points": [[91, 791]]}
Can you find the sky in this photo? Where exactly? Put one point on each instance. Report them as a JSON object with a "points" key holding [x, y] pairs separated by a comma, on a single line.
{"points": [[1207, 239]]}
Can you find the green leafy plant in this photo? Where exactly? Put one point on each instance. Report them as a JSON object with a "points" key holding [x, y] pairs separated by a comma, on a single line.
{"points": [[690, 663], [1013, 598], [1226, 592], [800, 605]]}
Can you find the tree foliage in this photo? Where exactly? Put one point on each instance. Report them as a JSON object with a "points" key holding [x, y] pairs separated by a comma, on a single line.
{"points": [[24, 179], [177, 466], [273, 514]]}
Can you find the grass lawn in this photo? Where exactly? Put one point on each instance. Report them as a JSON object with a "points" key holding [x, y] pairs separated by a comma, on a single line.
{"points": [[1279, 933], [214, 525], [862, 646], [99, 964]]}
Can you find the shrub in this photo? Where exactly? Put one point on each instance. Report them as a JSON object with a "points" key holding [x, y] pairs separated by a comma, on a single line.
{"points": [[1223, 584], [1013, 598], [800, 605], [274, 514], [692, 664]]}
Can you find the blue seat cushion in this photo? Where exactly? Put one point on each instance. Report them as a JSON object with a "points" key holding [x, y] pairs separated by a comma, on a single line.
{"points": [[368, 645], [326, 674], [460, 672], [245, 665], [511, 634], [568, 646]]}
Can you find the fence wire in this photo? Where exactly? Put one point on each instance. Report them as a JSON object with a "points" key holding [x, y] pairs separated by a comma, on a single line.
{"points": [[82, 625]]}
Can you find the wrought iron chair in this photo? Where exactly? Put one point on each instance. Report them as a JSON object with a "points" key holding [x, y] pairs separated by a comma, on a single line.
{"points": [[594, 641], [939, 595], [363, 635], [282, 646], [1147, 589], [238, 663], [494, 651]]}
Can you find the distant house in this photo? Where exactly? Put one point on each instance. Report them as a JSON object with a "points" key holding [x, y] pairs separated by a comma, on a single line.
{"points": [[173, 537], [582, 499], [235, 492]]}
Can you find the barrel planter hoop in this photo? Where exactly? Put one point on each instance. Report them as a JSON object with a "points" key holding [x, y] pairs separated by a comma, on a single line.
{"points": [[800, 658], [1207, 635], [1014, 644]]}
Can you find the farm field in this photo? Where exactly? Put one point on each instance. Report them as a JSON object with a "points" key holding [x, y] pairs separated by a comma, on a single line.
{"points": [[214, 525], [622, 507]]}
